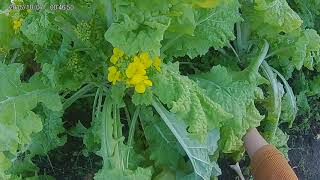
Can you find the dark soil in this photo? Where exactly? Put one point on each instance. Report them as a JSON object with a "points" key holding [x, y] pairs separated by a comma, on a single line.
{"points": [[68, 162], [305, 143], [304, 156]]}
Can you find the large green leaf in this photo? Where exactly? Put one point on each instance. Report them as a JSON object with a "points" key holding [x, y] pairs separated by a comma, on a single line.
{"points": [[51, 135], [164, 149], [198, 153], [237, 98], [270, 17], [188, 101], [236, 92], [138, 174], [138, 27], [17, 101], [308, 10], [214, 28], [36, 28]]}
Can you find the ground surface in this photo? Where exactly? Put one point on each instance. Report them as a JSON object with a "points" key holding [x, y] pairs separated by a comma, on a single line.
{"points": [[304, 157]]}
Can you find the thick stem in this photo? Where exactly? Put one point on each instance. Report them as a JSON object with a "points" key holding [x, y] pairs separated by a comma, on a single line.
{"points": [[235, 52], [261, 57], [292, 99], [77, 95], [109, 12], [131, 133], [105, 130], [95, 103]]}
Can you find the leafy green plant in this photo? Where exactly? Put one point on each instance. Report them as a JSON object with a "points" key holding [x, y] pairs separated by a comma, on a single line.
{"points": [[174, 84]]}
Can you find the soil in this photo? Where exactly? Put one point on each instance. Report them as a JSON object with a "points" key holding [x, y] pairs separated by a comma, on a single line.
{"points": [[304, 156], [305, 143], [68, 162]]}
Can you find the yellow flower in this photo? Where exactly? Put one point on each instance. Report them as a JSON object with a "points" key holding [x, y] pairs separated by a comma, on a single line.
{"points": [[145, 59], [157, 63], [135, 68], [136, 79], [117, 53], [114, 59], [113, 74], [142, 85], [136, 73], [17, 24]]}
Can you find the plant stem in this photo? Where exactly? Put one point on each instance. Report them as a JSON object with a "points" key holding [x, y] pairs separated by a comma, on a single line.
{"points": [[77, 95], [278, 51], [95, 104], [239, 36], [105, 129], [275, 108], [127, 115], [50, 163], [235, 52], [131, 133], [292, 98], [14, 57], [109, 12], [261, 57]]}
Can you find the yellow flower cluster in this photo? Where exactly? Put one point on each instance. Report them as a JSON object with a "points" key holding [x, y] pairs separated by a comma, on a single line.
{"points": [[117, 54], [135, 71], [17, 24]]}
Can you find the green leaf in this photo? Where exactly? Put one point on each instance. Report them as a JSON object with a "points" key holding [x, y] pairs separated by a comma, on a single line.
{"points": [[315, 86], [303, 104], [308, 10], [270, 17], [138, 174], [237, 98], [214, 28], [78, 131], [51, 135], [23, 166], [35, 28], [198, 153], [307, 48], [189, 102], [142, 99], [166, 174], [136, 29], [7, 36], [117, 93], [17, 100], [163, 146], [280, 141], [4, 164], [183, 20]]}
